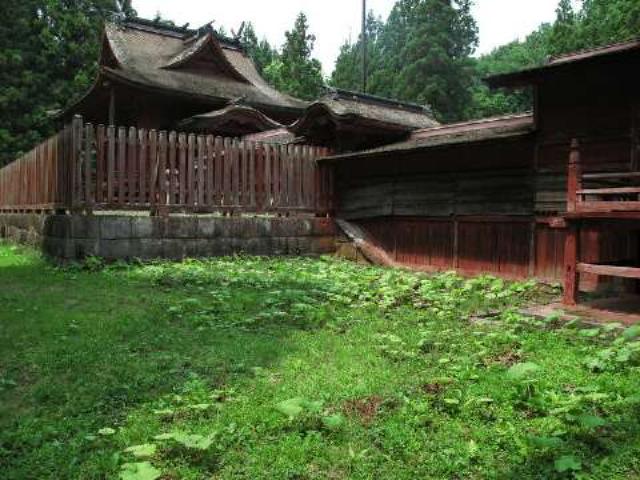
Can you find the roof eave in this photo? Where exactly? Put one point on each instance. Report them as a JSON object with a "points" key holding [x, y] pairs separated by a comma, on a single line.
{"points": [[419, 148]]}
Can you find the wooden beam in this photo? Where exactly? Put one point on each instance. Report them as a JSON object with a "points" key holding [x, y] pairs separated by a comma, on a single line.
{"points": [[609, 270], [609, 191], [618, 206], [606, 176]]}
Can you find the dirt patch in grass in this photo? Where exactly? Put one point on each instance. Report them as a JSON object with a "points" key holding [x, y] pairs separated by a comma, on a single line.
{"points": [[366, 409], [432, 388]]}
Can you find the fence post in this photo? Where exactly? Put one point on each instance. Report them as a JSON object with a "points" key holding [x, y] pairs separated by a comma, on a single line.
{"points": [[76, 158]]}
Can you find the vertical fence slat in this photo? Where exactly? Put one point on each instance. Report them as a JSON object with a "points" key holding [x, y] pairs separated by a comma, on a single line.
{"points": [[182, 180], [211, 156], [143, 166], [202, 155], [226, 176], [218, 172], [264, 197], [162, 167], [100, 163], [191, 160], [88, 165], [122, 163], [131, 167], [236, 173], [154, 168], [172, 168]]}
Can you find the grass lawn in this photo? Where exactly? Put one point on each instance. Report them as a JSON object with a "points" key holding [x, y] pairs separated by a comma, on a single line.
{"points": [[301, 369]]}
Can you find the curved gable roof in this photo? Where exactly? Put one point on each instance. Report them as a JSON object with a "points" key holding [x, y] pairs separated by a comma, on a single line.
{"points": [[204, 66], [342, 107]]}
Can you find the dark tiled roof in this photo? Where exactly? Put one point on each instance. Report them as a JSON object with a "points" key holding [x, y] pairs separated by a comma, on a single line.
{"points": [[345, 106], [158, 56], [530, 75], [454, 134]]}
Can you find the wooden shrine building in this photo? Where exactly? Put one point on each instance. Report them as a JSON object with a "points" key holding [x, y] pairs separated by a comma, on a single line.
{"points": [[156, 76]]}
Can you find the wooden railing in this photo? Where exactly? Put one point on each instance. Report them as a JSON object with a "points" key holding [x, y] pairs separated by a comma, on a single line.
{"points": [[108, 168], [600, 192]]}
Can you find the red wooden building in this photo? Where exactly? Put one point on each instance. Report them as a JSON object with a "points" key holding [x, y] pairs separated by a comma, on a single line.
{"points": [[491, 196]]}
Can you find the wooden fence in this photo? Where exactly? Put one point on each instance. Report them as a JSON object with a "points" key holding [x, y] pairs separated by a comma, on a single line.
{"points": [[87, 167], [40, 179]]}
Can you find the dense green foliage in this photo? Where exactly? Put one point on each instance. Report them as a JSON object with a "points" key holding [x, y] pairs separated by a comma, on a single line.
{"points": [[422, 54], [597, 22], [299, 368], [294, 71], [48, 54]]}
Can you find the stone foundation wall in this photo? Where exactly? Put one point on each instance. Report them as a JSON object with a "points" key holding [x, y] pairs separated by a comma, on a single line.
{"points": [[120, 237], [24, 228]]}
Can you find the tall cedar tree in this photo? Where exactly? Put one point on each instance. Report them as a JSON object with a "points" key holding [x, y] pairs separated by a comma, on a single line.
{"points": [[259, 50], [421, 54], [48, 55], [348, 70], [437, 67], [294, 71]]}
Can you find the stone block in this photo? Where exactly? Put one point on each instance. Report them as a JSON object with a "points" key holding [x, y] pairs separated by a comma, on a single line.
{"points": [[115, 249], [323, 245], [142, 227], [182, 227], [84, 226], [114, 228], [208, 227]]}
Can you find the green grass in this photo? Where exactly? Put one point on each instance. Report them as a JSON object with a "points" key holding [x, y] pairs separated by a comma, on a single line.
{"points": [[383, 374]]}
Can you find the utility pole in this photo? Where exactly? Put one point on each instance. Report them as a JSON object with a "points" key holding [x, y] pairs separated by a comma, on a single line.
{"points": [[364, 46]]}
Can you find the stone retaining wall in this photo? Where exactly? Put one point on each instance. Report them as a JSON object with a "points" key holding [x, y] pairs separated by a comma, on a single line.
{"points": [[113, 237]]}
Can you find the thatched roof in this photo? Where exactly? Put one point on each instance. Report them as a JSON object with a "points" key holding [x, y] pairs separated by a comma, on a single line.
{"points": [[483, 130], [344, 108], [196, 65], [192, 62], [231, 120], [530, 76]]}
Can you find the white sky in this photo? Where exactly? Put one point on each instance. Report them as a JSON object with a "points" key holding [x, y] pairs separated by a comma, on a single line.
{"points": [[334, 21]]}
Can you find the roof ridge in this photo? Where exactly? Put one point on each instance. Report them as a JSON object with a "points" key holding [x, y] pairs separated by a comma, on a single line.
{"points": [[562, 56], [479, 121], [173, 31], [338, 93]]}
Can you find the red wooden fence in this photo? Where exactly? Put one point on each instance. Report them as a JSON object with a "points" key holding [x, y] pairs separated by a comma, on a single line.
{"points": [[87, 168]]}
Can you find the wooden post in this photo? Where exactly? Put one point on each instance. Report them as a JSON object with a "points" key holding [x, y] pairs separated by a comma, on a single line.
{"points": [[76, 149], [571, 275], [574, 177]]}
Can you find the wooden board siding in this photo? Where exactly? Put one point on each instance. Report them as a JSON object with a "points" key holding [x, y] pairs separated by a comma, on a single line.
{"points": [[498, 245], [487, 179]]}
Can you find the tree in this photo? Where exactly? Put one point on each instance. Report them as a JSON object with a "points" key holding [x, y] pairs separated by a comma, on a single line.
{"points": [[295, 71], [48, 55], [438, 70], [261, 51], [348, 70]]}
